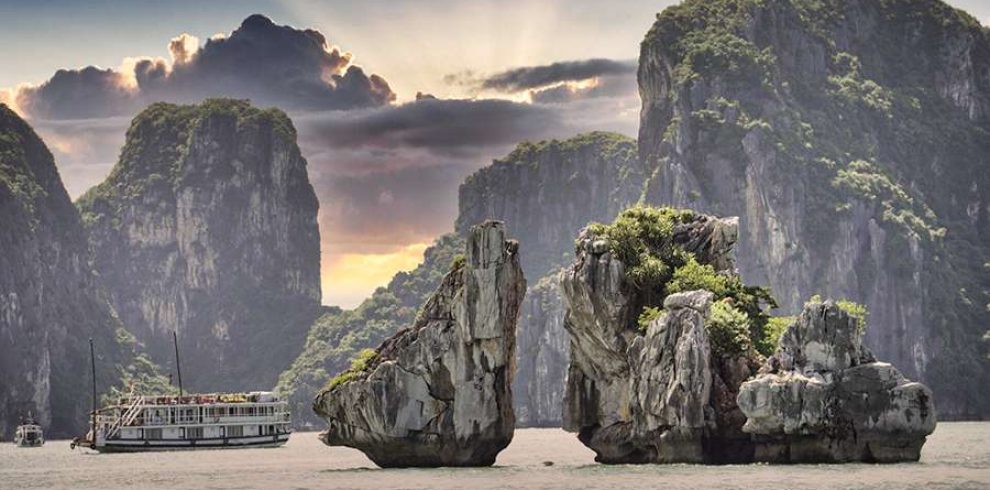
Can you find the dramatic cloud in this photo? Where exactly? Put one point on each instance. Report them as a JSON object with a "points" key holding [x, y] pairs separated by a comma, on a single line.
{"points": [[605, 86], [536, 77], [443, 128], [386, 175], [390, 175], [76, 94], [267, 63]]}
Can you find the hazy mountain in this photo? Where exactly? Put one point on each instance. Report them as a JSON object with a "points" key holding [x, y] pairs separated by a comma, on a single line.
{"points": [[50, 304], [207, 225]]}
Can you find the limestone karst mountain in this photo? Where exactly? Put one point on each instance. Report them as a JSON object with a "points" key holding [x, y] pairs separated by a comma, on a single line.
{"points": [[603, 178], [655, 366], [50, 302], [207, 226], [666, 341], [548, 191], [851, 139], [439, 392]]}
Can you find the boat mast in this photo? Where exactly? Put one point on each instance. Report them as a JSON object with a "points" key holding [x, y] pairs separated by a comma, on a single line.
{"points": [[92, 362], [178, 369]]}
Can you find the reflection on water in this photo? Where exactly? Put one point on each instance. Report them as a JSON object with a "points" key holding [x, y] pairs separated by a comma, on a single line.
{"points": [[957, 455]]}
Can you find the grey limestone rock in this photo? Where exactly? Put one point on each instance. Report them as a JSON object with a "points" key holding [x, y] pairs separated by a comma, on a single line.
{"points": [[439, 393], [824, 398]]}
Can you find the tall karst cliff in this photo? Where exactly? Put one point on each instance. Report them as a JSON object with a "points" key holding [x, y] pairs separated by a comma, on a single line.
{"points": [[49, 302], [852, 140], [548, 191], [207, 226]]}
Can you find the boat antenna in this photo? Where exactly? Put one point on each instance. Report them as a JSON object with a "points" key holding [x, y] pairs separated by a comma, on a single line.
{"points": [[92, 362], [178, 369]]}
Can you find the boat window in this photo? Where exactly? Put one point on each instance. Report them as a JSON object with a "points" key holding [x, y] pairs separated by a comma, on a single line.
{"points": [[235, 431], [194, 433], [152, 434]]}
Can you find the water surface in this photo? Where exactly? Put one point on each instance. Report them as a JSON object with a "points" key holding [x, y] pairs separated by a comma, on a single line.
{"points": [[957, 455]]}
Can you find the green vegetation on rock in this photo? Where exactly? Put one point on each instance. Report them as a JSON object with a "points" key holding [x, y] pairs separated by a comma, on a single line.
{"points": [[140, 375], [157, 145], [845, 141], [641, 237], [775, 328], [359, 364], [728, 329]]}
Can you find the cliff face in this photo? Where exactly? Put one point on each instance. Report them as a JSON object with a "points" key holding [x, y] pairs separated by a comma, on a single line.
{"points": [[542, 350], [438, 393], [851, 140], [548, 191], [207, 226], [49, 302]]}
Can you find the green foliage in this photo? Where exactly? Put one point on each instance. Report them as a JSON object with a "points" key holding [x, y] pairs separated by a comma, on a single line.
{"points": [[458, 262], [157, 144], [606, 145], [748, 299], [857, 311], [359, 365], [774, 329], [140, 375], [640, 237], [865, 181], [851, 88], [728, 329], [649, 314], [23, 158]]}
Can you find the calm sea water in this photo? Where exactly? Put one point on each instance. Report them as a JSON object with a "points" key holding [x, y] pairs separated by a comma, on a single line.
{"points": [[957, 455]]}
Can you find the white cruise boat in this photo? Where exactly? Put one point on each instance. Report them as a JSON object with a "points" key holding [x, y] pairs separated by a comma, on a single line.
{"points": [[162, 423], [29, 434]]}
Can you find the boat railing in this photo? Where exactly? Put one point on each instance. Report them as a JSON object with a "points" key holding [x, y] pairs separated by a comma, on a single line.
{"points": [[133, 410]]}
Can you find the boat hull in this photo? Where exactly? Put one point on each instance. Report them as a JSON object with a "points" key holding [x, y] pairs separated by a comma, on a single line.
{"points": [[131, 446]]}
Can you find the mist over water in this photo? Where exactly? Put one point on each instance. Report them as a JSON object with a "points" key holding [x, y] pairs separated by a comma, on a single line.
{"points": [[957, 455]]}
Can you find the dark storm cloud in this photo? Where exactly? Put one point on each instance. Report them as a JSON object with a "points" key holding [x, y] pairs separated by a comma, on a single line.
{"points": [[74, 94], [424, 131], [267, 63], [390, 175], [536, 77]]}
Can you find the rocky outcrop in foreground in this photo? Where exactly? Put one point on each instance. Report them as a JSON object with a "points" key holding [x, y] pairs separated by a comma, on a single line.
{"points": [[855, 173], [659, 396], [824, 398], [438, 393]]}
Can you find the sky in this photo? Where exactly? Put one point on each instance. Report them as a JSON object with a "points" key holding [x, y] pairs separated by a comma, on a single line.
{"points": [[385, 163]]}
